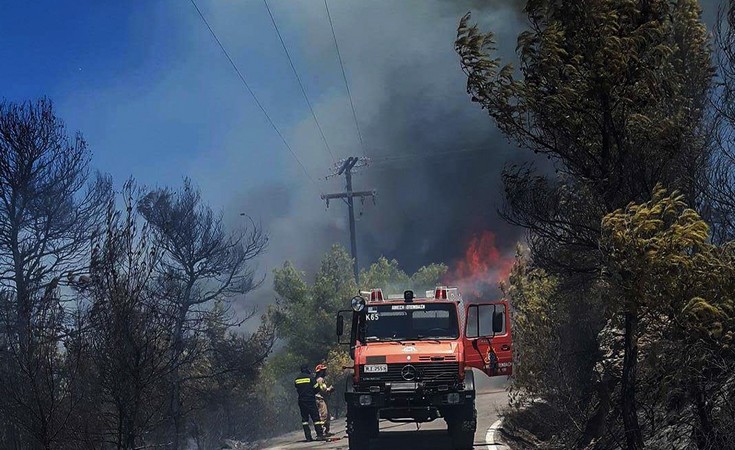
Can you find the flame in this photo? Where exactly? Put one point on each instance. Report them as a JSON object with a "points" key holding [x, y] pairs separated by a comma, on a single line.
{"points": [[482, 267]]}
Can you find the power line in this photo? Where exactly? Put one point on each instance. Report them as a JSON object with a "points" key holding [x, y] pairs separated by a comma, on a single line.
{"points": [[303, 91], [252, 94], [344, 77]]}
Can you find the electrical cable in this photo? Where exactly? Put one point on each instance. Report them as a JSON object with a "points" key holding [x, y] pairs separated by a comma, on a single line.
{"points": [[301, 85], [252, 94], [344, 77]]}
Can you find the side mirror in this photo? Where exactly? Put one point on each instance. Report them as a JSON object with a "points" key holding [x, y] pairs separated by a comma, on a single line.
{"points": [[340, 325], [498, 322], [345, 327]]}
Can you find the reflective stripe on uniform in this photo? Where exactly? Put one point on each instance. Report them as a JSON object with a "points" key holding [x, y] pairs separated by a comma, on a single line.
{"points": [[303, 380], [316, 386], [304, 423], [319, 423]]}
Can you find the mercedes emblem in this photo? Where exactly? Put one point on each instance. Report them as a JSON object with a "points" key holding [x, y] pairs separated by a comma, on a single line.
{"points": [[408, 372]]}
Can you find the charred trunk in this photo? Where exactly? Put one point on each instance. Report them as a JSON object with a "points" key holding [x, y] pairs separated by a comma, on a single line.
{"points": [[633, 434], [705, 434], [175, 415]]}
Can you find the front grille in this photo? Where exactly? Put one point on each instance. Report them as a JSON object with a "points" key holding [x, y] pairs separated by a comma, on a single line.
{"points": [[426, 372]]}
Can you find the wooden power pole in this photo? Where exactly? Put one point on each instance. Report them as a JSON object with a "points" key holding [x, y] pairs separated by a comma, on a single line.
{"points": [[346, 168]]}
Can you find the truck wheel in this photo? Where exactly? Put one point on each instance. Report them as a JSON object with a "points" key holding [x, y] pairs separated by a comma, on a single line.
{"points": [[360, 427], [374, 426], [462, 427]]}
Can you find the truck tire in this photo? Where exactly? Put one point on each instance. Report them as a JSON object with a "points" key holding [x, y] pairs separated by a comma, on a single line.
{"points": [[361, 426], [462, 426], [374, 426]]}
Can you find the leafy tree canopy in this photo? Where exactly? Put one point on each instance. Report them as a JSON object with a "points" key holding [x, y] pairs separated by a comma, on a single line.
{"points": [[660, 257], [387, 275]]}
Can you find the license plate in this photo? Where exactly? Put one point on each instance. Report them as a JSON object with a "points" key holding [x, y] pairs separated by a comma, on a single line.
{"points": [[376, 368]]}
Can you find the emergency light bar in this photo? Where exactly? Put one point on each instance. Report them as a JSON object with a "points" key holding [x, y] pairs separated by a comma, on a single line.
{"points": [[440, 293], [373, 295], [445, 293]]}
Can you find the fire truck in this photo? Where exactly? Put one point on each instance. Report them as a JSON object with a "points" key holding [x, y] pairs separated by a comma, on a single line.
{"points": [[412, 360]]}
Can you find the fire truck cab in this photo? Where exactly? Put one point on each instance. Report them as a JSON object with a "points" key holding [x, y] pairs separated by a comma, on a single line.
{"points": [[412, 357]]}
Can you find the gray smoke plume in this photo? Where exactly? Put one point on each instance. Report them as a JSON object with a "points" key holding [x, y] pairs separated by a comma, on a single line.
{"points": [[436, 157]]}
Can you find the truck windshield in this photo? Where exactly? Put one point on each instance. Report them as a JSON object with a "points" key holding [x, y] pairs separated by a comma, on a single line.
{"points": [[411, 321]]}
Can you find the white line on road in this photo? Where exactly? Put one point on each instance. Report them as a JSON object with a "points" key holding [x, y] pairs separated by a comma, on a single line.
{"points": [[490, 440]]}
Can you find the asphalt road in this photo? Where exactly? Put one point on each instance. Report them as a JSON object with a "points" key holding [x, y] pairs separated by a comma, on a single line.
{"points": [[491, 398]]}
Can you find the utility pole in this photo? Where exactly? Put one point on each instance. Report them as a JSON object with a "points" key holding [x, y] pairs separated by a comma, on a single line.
{"points": [[345, 167]]}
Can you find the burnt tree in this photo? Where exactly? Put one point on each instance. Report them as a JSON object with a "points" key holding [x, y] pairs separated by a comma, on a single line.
{"points": [[201, 262], [50, 207], [128, 342]]}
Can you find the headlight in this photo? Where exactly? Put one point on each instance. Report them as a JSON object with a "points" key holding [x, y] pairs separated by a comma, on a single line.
{"points": [[358, 303], [366, 400]]}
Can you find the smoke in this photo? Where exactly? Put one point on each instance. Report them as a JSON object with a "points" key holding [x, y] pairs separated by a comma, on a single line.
{"points": [[436, 157]]}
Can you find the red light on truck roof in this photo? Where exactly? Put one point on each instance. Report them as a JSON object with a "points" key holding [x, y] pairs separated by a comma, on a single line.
{"points": [[445, 293], [376, 294]]}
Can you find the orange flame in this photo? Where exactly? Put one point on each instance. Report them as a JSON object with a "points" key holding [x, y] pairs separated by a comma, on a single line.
{"points": [[482, 267]]}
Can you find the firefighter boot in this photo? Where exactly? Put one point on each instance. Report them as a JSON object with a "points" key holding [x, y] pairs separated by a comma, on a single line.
{"points": [[307, 432], [319, 431]]}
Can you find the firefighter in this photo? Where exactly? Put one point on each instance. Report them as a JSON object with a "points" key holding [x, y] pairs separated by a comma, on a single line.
{"points": [[321, 396], [307, 388]]}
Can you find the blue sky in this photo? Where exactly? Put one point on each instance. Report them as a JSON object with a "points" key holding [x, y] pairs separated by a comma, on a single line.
{"points": [[149, 88], [156, 99]]}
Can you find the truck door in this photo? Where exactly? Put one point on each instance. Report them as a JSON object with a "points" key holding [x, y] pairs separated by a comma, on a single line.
{"points": [[488, 345]]}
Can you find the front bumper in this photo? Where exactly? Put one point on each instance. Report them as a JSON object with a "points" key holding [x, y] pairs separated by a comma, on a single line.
{"points": [[407, 395]]}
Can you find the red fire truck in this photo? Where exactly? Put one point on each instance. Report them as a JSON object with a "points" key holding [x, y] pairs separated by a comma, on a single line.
{"points": [[412, 358]]}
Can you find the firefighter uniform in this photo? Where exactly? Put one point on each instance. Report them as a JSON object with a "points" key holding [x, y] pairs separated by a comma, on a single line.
{"points": [[306, 387], [321, 396]]}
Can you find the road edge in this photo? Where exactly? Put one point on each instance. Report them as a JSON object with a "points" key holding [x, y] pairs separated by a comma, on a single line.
{"points": [[492, 436]]}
